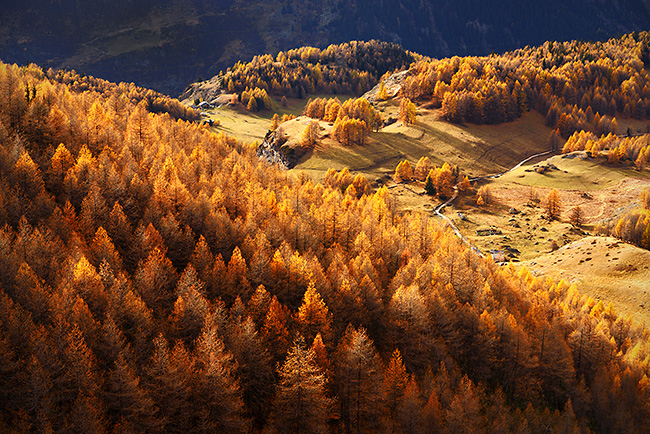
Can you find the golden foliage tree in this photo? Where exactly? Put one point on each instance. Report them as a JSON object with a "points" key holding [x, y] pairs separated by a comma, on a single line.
{"points": [[422, 168], [359, 382], [309, 135], [382, 93], [313, 316], [407, 111], [403, 172], [301, 405], [350, 132], [484, 195], [553, 205]]}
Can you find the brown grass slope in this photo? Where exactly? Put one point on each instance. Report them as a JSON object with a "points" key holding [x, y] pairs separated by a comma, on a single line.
{"points": [[604, 268]]}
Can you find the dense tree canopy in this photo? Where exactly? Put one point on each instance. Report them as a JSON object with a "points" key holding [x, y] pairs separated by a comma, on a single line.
{"points": [[351, 68], [576, 85], [157, 277]]}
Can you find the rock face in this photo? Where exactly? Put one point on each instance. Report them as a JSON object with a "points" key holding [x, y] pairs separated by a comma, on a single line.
{"points": [[275, 150], [208, 90], [393, 85]]}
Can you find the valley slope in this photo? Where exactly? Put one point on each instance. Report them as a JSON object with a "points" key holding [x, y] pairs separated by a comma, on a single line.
{"points": [[603, 190], [156, 276]]}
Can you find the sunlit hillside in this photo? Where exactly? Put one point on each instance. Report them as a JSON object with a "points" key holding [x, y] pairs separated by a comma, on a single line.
{"points": [[157, 276]]}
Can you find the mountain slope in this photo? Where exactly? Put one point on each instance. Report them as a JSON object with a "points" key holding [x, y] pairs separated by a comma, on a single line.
{"points": [[169, 43], [157, 277]]}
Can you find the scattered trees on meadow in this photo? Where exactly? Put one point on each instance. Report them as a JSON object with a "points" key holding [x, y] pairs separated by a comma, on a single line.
{"points": [[437, 180], [353, 120], [634, 225], [350, 132], [256, 99], [346, 183]]}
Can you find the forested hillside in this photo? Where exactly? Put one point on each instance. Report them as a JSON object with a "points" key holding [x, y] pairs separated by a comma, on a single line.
{"points": [[158, 277], [167, 44], [576, 85], [350, 68]]}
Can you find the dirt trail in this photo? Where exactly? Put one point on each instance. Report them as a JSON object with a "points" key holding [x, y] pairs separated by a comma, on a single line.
{"points": [[438, 210]]}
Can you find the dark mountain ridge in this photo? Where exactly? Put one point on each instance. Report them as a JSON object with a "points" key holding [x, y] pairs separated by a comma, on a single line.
{"points": [[169, 43]]}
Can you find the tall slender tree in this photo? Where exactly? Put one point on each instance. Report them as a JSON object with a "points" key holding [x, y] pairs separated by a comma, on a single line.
{"points": [[301, 406], [359, 380]]}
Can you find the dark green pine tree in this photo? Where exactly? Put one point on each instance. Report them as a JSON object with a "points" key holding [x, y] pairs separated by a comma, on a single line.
{"points": [[429, 185]]}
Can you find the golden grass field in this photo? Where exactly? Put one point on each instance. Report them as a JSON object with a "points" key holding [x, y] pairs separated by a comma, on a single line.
{"points": [[251, 127], [477, 150], [601, 267]]}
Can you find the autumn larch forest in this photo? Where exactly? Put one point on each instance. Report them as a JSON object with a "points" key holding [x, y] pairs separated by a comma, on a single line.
{"points": [[157, 277]]}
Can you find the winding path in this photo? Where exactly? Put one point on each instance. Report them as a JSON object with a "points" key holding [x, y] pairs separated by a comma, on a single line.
{"points": [[438, 210]]}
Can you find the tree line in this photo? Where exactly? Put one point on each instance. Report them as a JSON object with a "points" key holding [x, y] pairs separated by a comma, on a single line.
{"points": [[350, 68], [155, 102], [633, 151], [576, 85]]}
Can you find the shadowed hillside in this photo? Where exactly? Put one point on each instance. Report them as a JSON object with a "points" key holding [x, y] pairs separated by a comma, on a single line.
{"points": [[169, 43]]}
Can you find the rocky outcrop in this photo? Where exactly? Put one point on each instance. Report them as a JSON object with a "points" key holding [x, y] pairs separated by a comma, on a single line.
{"points": [[207, 90], [276, 150], [393, 85]]}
